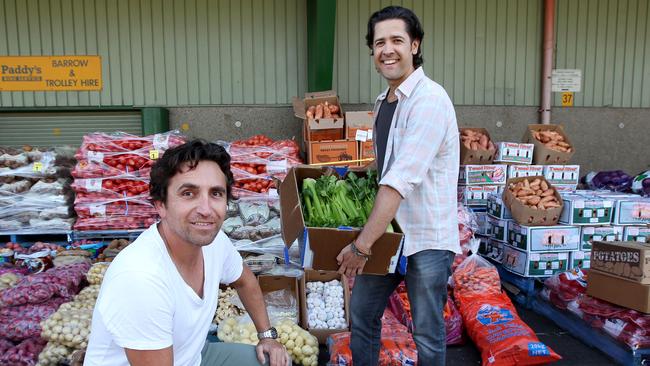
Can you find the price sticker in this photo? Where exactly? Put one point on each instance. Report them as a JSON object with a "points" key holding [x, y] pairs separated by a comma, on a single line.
{"points": [[98, 210], [361, 136], [161, 141], [38, 166], [93, 185], [369, 135], [153, 154], [276, 166], [95, 156], [273, 193]]}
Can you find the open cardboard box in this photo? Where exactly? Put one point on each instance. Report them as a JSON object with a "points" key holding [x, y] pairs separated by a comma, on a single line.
{"points": [[526, 215], [270, 283], [542, 155], [322, 128], [479, 156], [320, 246], [323, 276]]}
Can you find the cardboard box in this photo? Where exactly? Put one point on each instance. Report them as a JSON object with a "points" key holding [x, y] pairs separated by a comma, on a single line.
{"points": [[496, 208], [499, 228], [526, 215], [479, 156], [586, 210], [626, 259], [321, 129], [476, 195], [323, 276], [537, 239], [320, 246], [324, 152], [534, 264], [590, 234], [366, 151], [492, 249], [270, 283], [517, 171], [562, 174], [359, 121], [621, 292], [629, 209], [471, 175], [640, 234], [580, 259], [484, 227], [543, 155], [513, 152]]}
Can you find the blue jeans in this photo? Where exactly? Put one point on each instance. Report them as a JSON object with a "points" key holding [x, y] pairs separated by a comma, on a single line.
{"points": [[426, 283]]}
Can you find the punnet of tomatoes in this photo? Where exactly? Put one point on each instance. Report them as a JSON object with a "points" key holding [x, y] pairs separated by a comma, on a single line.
{"points": [[255, 185]]}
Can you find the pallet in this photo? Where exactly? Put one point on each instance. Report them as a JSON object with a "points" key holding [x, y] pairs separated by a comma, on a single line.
{"points": [[107, 234], [61, 237], [523, 289], [617, 351]]}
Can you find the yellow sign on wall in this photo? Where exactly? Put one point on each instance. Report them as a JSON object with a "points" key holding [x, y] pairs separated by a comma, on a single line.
{"points": [[567, 99], [50, 73]]}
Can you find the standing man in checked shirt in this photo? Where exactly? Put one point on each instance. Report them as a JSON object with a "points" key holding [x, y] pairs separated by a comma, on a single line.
{"points": [[417, 150]]}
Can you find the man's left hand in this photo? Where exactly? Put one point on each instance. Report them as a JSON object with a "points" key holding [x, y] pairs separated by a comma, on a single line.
{"points": [[350, 264], [276, 352]]}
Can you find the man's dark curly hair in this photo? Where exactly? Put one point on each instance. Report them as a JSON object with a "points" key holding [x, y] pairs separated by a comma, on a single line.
{"points": [[190, 153], [413, 28]]}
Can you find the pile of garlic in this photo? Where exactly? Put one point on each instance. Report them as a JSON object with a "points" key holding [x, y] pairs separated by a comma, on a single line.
{"points": [[95, 275], [325, 305]]}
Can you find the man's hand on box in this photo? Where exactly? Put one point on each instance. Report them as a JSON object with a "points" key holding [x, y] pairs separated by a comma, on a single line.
{"points": [[350, 264]]}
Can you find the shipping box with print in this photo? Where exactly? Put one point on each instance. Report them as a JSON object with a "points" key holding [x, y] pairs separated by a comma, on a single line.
{"points": [[590, 234], [562, 174], [629, 209], [534, 264], [639, 234], [478, 155], [582, 209], [319, 246], [539, 239], [628, 294], [543, 154], [470, 175], [496, 208], [514, 153], [518, 171], [531, 215], [359, 127], [323, 276], [492, 249], [626, 260], [499, 228], [476, 195], [323, 128], [580, 259]]}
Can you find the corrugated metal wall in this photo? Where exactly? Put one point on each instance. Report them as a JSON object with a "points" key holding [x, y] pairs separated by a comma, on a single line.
{"points": [[488, 52], [63, 128], [609, 40], [165, 52], [484, 52], [204, 52]]}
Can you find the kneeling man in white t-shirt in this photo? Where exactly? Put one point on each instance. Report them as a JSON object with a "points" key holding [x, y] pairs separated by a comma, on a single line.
{"points": [[160, 293]]}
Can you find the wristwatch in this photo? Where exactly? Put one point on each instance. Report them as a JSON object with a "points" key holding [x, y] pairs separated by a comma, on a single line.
{"points": [[269, 333]]}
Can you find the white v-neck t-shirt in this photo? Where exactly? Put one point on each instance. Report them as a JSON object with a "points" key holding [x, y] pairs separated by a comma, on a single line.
{"points": [[145, 304]]}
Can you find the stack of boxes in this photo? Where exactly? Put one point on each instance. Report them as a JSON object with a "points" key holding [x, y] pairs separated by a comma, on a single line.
{"points": [[334, 140]]}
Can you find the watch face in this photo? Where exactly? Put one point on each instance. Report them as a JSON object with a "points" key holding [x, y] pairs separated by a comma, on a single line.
{"points": [[274, 333]]}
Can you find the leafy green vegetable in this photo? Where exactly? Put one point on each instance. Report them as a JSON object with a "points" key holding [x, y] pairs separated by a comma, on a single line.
{"points": [[330, 202]]}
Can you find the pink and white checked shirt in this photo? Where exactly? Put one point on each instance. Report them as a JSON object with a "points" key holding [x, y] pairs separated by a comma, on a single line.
{"points": [[421, 163]]}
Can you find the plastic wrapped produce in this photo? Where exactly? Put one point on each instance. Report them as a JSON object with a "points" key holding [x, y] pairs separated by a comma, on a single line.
{"points": [[24, 354], [5, 345], [53, 354], [68, 327], [616, 180], [641, 184], [397, 345], [492, 321], [42, 310]]}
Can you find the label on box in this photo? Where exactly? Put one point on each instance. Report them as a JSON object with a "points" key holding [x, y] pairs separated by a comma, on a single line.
{"points": [[515, 152], [482, 174], [614, 326], [361, 136], [161, 141], [95, 156], [369, 137], [97, 210], [93, 185], [276, 166]]}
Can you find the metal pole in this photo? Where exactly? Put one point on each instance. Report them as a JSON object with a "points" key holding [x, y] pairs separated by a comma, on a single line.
{"points": [[547, 60]]}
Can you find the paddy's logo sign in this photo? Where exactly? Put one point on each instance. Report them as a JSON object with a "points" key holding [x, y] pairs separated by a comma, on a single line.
{"points": [[50, 73]]}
